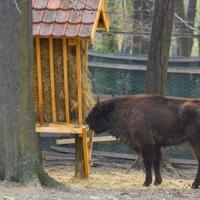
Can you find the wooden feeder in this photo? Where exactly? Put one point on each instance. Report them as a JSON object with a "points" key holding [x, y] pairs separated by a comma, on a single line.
{"points": [[62, 31]]}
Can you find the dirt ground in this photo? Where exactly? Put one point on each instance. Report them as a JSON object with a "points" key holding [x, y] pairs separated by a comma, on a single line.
{"points": [[110, 179]]}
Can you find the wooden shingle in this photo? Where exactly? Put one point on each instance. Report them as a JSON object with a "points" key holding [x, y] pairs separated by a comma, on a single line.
{"points": [[67, 18]]}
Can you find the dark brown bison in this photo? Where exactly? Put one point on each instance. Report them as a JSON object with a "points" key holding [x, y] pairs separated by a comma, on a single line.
{"points": [[147, 123]]}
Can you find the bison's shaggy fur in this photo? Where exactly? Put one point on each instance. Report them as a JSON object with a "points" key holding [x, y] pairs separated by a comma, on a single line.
{"points": [[147, 123]]}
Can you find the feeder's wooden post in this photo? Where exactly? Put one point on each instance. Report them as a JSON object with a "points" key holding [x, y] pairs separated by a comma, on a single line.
{"points": [[39, 81], [79, 85], [79, 160], [66, 81], [52, 80]]}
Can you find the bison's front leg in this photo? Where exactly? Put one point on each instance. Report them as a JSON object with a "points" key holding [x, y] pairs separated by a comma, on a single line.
{"points": [[197, 179], [148, 156]]}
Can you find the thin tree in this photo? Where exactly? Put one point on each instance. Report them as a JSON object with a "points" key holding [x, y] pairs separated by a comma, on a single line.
{"points": [[20, 156], [185, 44], [159, 46]]}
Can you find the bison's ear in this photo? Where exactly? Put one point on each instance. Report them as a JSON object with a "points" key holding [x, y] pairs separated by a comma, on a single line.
{"points": [[98, 100], [109, 107]]}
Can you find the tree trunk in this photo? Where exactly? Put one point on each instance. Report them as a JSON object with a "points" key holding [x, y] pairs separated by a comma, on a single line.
{"points": [[159, 52], [20, 156], [159, 45]]}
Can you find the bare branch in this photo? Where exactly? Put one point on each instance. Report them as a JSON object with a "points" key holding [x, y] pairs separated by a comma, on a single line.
{"points": [[186, 24], [17, 7]]}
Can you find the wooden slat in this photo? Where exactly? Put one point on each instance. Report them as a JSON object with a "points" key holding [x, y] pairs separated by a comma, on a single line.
{"points": [[96, 21], [58, 128], [39, 81], [79, 85], [52, 80], [66, 81], [95, 139]]}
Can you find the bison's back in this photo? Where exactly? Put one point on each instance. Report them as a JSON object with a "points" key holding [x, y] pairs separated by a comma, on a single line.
{"points": [[152, 118]]}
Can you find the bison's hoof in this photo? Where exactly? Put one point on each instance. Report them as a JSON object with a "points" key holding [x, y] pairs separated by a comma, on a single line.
{"points": [[195, 186], [158, 181], [146, 184]]}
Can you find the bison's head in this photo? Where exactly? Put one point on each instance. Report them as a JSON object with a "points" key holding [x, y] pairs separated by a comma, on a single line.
{"points": [[98, 118]]}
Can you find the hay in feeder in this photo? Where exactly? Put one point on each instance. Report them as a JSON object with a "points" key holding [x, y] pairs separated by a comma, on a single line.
{"points": [[87, 96], [59, 80]]}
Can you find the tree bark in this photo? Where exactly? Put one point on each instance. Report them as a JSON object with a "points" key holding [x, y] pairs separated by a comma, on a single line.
{"points": [[159, 46], [159, 52], [20, 156]]}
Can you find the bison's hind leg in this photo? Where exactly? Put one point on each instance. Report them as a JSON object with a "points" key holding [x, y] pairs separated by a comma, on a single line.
{"points": [[156, 165], [196, 150]]}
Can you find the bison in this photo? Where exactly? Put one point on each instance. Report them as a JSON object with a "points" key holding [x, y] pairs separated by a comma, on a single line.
{"points": [[148, 122]]}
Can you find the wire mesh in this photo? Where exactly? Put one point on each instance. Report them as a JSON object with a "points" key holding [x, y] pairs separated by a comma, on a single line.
{"points": [[109, 80]]}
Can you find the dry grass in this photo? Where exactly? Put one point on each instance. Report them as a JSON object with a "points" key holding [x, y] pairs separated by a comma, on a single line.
{"points": [[116, 179]]}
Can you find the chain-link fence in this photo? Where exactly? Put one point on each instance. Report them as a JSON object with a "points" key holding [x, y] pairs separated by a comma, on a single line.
{"points": [[127, 75], [116, 74]]}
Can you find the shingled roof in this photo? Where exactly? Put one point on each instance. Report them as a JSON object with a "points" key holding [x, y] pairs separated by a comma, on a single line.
{"points": [[69, 18]]}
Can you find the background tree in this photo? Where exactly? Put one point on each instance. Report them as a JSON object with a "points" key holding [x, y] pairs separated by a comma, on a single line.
{"points": [[159, 51], [20, 156], [160, 45], [185, 44]]}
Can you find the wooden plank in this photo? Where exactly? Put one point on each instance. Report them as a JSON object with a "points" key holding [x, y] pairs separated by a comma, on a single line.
{"points": [[71, 41], [95, 139], [177, 70], [79, 85], [66, 81], [39, 81], [125, 156], [52, 80], [98, 153], [119, 56], [58, 128], [85, 152]]}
